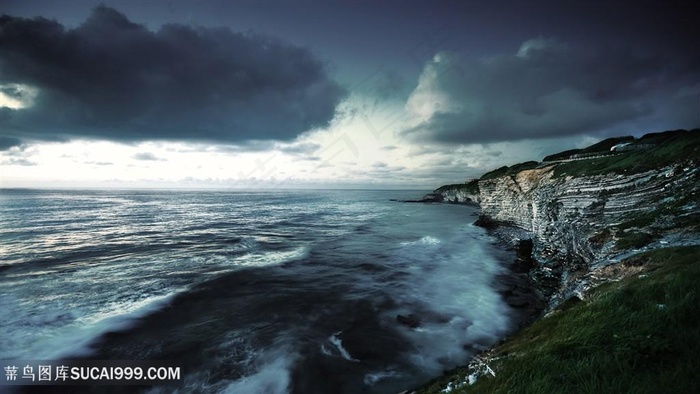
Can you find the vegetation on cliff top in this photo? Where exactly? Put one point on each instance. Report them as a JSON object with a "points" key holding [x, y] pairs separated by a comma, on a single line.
{"points": [[471, 187], [649, 152], [638, 335], [660, 150], [509, 170], [600, 147]]}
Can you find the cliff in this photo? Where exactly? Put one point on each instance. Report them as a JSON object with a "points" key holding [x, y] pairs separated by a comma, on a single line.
{"points": [[614, 231], [586, 212]]}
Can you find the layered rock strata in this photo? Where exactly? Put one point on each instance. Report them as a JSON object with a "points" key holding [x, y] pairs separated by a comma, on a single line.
{"points": [[580, 223]]}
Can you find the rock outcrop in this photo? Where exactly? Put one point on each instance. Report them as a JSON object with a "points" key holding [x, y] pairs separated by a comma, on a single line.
{"points": [[585, 221], [463, 193]]}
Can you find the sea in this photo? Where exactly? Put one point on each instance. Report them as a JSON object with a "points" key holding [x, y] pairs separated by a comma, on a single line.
{"points": [[267, 291]]}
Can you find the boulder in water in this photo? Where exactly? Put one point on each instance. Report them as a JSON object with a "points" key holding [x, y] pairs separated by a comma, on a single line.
{"points": [[411, 320]]}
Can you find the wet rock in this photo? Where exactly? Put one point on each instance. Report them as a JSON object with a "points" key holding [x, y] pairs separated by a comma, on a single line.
{"points": [[411, 320], [428, 198], [524, 261], [517, 301], [487, 222]]}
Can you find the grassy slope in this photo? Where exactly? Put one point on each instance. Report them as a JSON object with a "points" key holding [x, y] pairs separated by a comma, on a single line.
{"points": [[670, 148], [602, 147], [471, 187], [639, 335], [512, 170]]}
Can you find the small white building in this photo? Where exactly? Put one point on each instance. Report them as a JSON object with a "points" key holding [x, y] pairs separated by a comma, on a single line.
{"points": [[620, 147]]}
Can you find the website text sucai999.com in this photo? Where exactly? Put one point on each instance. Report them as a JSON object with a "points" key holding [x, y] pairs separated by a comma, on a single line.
{"points": [[91, 372]]}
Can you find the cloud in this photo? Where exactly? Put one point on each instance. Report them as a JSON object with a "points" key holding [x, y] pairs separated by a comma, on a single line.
{"points": [[19, 162], [8, 142], [295, 148], [17, 96], [388, 84], [549, 89], [146, 156], [110, 78], [19, 155], [298, 148]]}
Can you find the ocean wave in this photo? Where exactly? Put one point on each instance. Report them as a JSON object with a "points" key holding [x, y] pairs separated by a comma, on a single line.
{"points": [[230, 278], [274, 258], [55, 334], [425, 240]]}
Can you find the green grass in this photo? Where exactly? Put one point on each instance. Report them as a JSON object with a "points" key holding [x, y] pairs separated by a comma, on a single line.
{"points": [[602, 147], [672, 147], [639, 335], [635, 239], [512, 170], [471, 187], [562, 155], [605, 145]]}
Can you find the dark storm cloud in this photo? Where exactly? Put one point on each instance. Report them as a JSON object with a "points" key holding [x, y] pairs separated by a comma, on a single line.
{"points": [[549, 89], [8, 142], [113, 79]]}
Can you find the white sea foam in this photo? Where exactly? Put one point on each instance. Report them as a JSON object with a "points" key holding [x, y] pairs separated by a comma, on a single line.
{"points": [[273, 377], [56, 323], [449, 278], [273, 258], [56, 335], [426, 240], [324, 350], [333, 339], [374, 377]]}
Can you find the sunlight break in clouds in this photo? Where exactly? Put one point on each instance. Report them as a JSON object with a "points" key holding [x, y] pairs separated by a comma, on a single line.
{"points": [[17, 96]]}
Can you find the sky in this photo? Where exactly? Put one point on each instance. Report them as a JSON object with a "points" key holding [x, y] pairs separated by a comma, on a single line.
{"points": [[329, 94]]}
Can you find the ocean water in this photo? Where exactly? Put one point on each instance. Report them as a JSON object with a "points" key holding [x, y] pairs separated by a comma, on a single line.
{"points": [[251, 292]]}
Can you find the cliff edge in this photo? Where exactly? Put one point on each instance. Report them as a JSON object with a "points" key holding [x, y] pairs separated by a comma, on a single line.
{"points": [[615, 236], [589, 208]]}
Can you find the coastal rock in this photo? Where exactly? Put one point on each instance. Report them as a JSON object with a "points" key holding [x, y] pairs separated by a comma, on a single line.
{"points": [[462, 193], [579, 223], [428, 198], [411, 320]]}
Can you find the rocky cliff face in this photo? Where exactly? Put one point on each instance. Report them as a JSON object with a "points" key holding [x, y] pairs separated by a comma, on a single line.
{"points": [[456, 194], [584, 222], [460, 193]]}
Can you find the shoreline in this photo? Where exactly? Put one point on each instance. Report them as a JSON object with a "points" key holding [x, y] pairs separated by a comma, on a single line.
{"points": [[515, 285], [572, 225]]}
